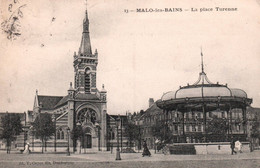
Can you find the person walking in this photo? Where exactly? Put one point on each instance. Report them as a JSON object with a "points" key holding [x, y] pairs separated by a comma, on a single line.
{"points": [[146, 151], [232, 146], [27, 149], [238, 146], [8, 146]]}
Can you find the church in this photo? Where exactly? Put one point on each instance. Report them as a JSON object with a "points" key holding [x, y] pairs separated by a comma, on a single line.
{"points": [[84, 104]]}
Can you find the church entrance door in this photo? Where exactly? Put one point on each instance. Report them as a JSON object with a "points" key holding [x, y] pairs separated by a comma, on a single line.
{"points": [[87, 141]]}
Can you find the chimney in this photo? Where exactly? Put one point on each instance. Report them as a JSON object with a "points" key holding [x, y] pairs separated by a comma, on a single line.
{"points": [[151, 102]]}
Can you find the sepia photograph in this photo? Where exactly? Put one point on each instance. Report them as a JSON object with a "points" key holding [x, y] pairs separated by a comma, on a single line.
{"points": [[119, 83]]}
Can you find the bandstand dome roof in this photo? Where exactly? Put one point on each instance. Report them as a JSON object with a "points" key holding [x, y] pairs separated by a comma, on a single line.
{"points": [[204, 93], [208, 91]]}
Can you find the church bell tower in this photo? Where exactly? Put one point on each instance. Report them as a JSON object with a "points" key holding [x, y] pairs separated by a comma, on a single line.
{"points": [[85, 63]]}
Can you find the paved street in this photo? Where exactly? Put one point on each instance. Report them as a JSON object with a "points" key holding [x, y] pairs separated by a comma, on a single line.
{"points": [[107, 159]]}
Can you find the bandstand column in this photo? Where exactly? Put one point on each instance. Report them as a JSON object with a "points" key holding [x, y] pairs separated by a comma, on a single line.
{"points": [[204, 122], [166, 123], [244, 120], [164, 131], [230, 123], [183, 129]]}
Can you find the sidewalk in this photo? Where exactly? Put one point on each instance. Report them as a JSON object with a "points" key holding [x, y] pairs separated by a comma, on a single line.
{"points": [[108, 157]]}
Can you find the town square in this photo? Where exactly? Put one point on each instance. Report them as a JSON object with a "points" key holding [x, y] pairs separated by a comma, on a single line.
{"points": [[112, 84]]}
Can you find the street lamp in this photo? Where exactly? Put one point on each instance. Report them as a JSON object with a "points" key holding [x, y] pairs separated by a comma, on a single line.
{"points": [[54, 121], [32, 129], [117, 149], [98, 127], [24, 138], [79, 127], [110, 140], [68, 133], [139, 135]]}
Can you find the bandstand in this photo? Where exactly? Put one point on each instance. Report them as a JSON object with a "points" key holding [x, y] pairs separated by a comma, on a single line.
{"points": [[204, 96]]}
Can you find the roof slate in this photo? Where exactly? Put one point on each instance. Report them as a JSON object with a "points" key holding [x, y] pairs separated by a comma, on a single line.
{"points": [[62, 101], [48, 102]]}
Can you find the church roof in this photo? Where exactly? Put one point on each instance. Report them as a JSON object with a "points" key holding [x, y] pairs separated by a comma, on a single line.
{"points": [[48, 102], [62, 101], [51, 102]]}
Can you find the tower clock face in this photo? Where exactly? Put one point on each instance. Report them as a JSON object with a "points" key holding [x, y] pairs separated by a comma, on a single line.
{"points": [[87, 115]]}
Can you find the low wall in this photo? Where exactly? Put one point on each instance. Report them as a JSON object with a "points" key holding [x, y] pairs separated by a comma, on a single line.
{"points": [[219, 148], [209, 148]]}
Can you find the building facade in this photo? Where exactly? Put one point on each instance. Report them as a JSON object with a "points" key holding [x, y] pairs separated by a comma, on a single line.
{"points": [[193, 124], [84, 104]]}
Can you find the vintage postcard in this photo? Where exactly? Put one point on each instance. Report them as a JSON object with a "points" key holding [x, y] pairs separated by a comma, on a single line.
{"points": [[106, 83]]}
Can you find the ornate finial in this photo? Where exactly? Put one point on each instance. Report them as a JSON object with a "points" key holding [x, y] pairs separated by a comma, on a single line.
{"points": [[71, 88], [36, 92], [103, 86], [202, 65]]}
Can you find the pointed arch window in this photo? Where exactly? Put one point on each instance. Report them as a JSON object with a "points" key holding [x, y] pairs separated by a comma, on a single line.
{"points": [[58, 134], [62, 135]]}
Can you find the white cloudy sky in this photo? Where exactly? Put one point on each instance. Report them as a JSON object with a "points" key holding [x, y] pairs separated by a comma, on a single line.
{"points": [[141, 55]]}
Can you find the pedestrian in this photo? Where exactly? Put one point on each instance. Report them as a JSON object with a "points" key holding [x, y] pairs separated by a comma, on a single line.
{"points": [[156, 144], [146, 151], [238, 146], [27, 148], [232, 146]]}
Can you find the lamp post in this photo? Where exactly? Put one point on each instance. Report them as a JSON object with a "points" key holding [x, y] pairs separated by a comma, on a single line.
{"points": [[24, 138], [98, 127], [78, 127], [32, 129], [40, 109], [68, 133], [117, 149], [110, 140], [139, 136], [54, 122]]}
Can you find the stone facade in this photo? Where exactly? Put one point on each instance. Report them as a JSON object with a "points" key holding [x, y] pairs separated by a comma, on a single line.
{"points": [[84, 104], [193, 123]]}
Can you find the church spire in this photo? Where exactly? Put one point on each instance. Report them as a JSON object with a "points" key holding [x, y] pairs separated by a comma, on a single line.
{"points": [[85, 46], [86, 23], [85, 63]]}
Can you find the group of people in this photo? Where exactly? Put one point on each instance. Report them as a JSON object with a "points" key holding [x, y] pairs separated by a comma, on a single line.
{"points": [[235, 144]]}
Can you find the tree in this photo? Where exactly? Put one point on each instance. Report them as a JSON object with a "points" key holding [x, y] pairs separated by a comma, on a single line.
{"points": [[162, 132], [215, 127], [76, 134], [44, 128], [131, 132], [255, 129], [11, 128]]}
